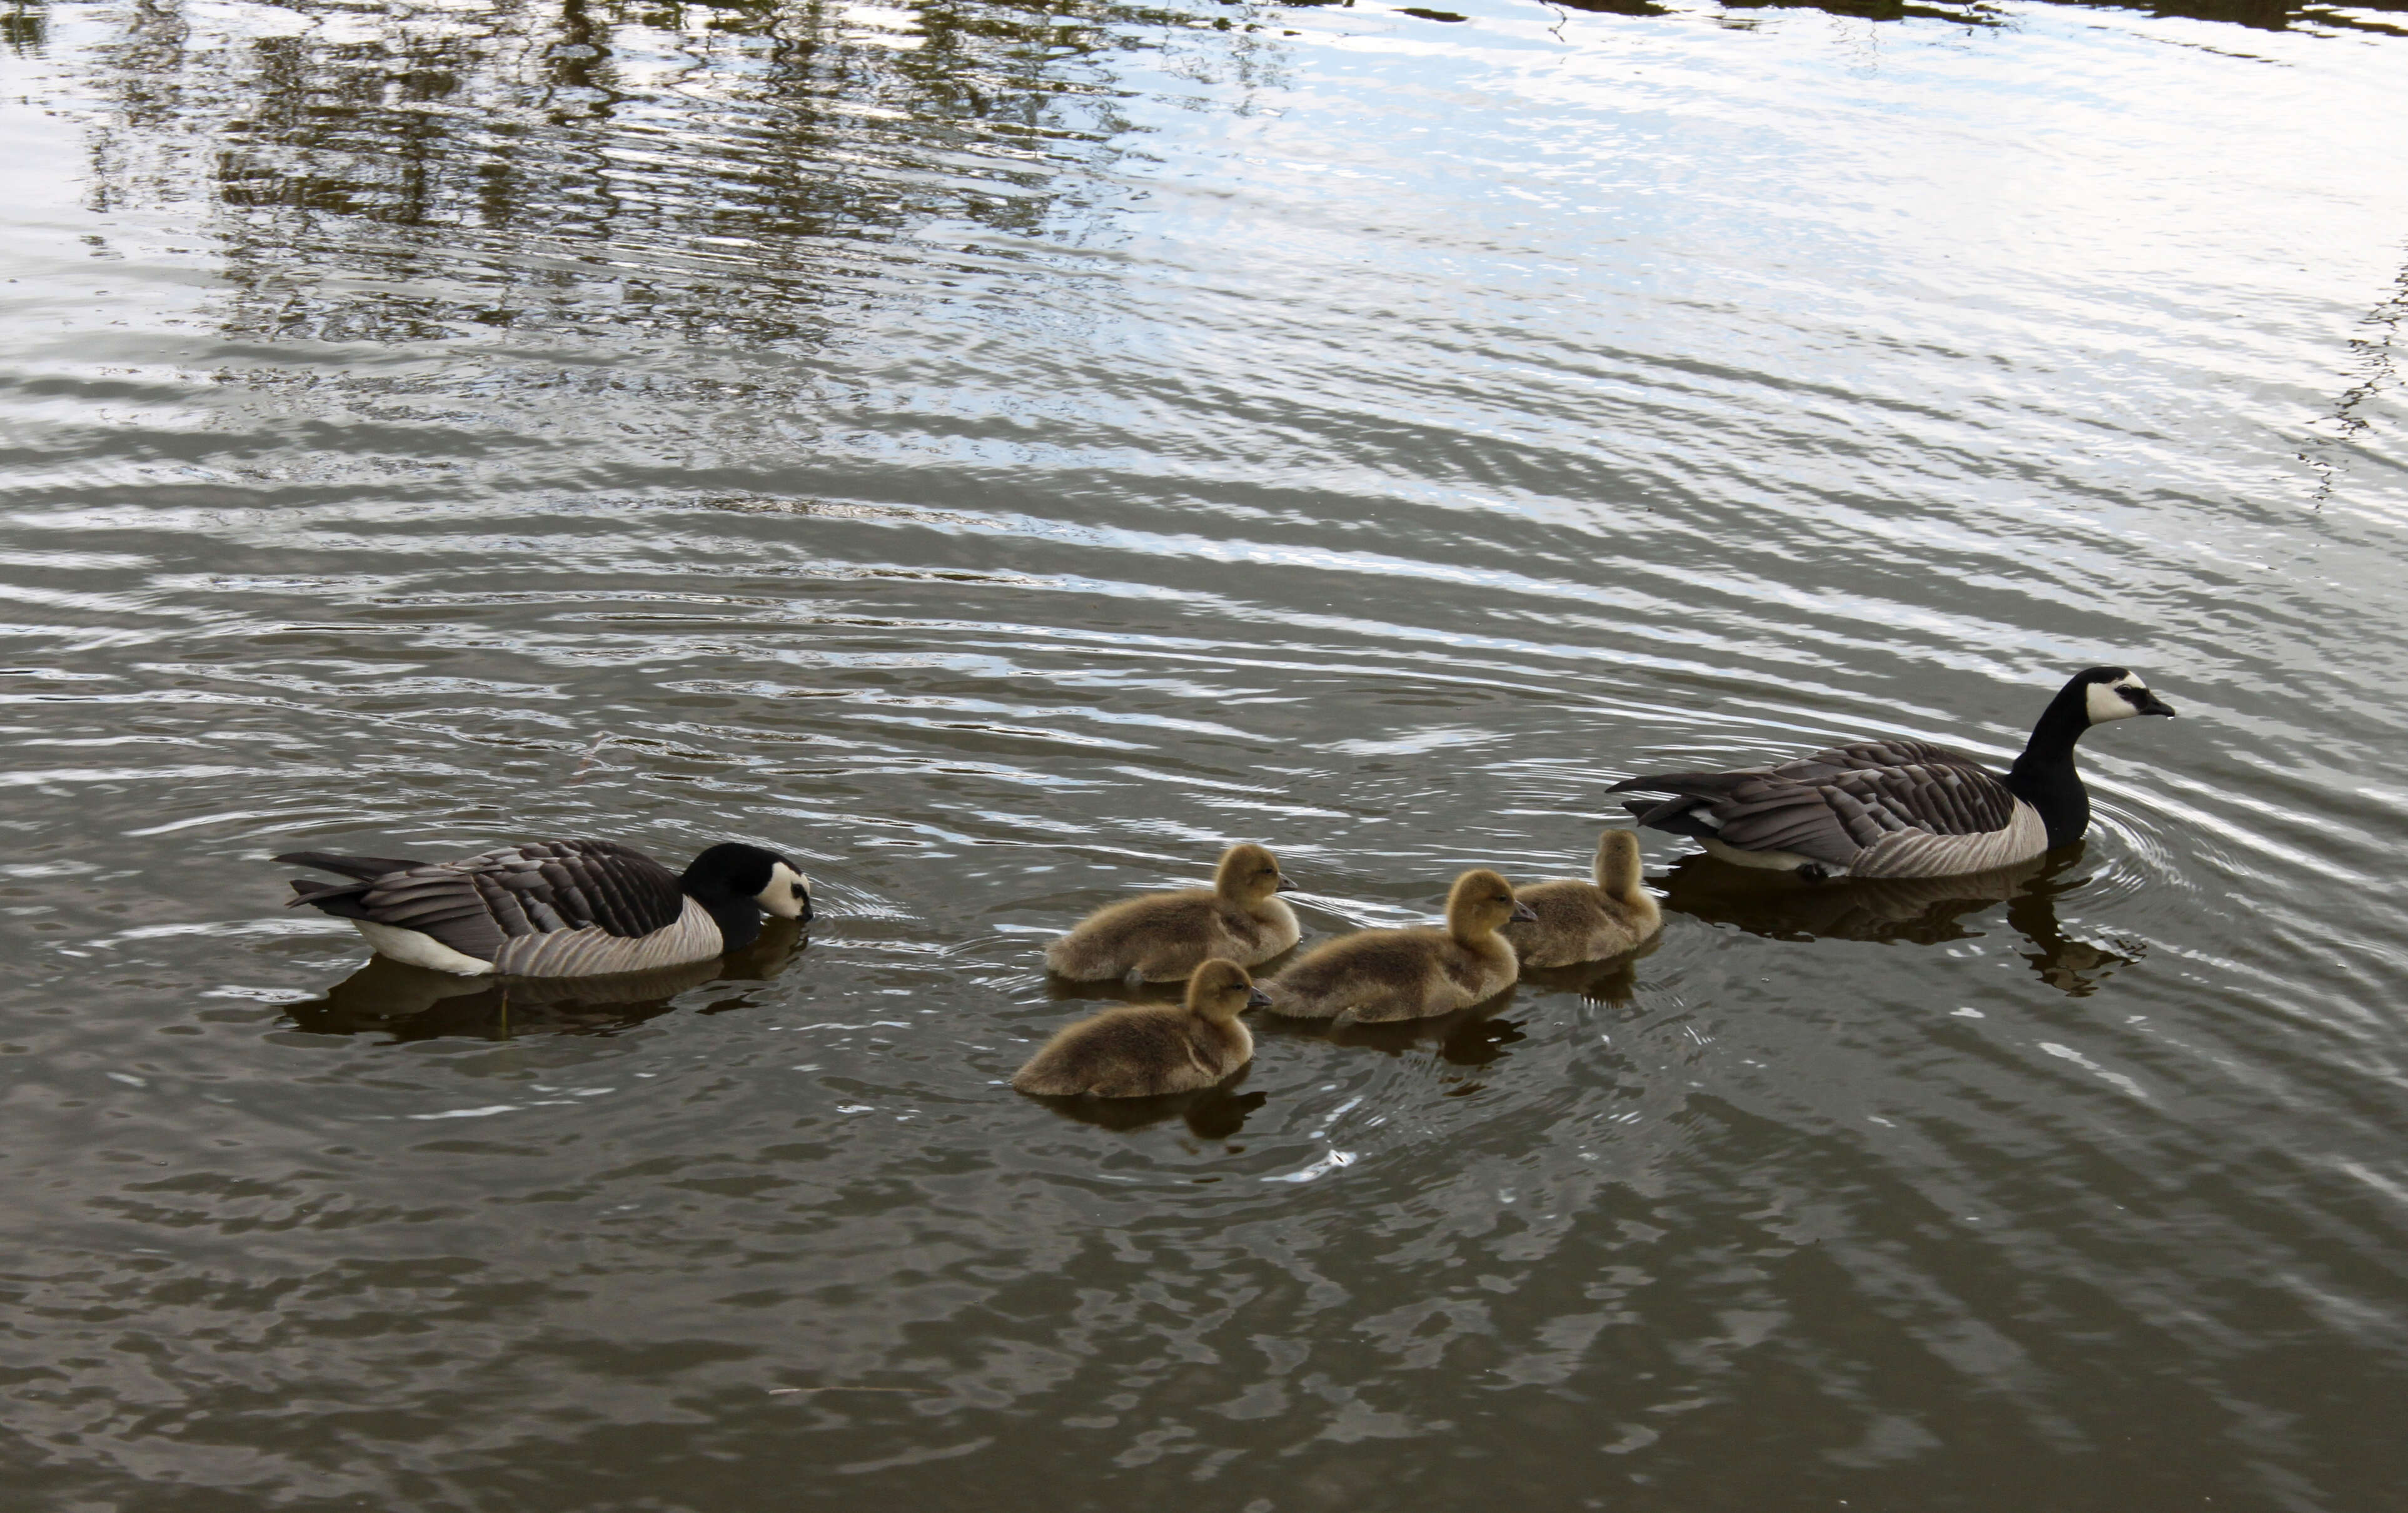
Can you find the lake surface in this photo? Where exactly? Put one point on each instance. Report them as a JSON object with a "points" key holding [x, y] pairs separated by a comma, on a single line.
{"points": [[999, 453]]}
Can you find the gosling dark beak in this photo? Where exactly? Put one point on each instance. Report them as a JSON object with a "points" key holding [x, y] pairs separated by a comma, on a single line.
{"points": [[1285, 886], [1524, 913], [2151, 704], [1258, 999]]}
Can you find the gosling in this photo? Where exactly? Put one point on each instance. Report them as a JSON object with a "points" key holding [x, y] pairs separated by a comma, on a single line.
{"points": [[1579, 921], [1161, 937], [1155, 1048], [1379, 975]]}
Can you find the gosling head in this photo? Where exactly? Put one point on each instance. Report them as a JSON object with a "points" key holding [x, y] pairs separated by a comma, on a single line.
{"points": [[1618, 861], [1222, 991], [1480, 902], [2114, 693], [769, 880], [1248, 873]]}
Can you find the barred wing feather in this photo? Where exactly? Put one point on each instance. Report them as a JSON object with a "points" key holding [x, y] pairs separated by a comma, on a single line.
{"points": [[1835, 804], [478, 904]]}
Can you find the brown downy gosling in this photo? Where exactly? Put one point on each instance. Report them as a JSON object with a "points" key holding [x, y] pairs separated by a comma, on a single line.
{"points": [[1161, 937], [1153, 1048], [1588, 921], [1385, 974]]}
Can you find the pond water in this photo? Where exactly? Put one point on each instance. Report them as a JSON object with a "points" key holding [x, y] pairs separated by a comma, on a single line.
{"points": [[1000, 453]]}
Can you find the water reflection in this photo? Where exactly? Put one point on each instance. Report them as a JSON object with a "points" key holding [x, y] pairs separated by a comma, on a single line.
{"points": [[1472, 1037], [408, 1002], [1214, 1113], [22, 26], [706, 172], [1611, 982], [1067, 990], [1919, 911], [717, 175]]}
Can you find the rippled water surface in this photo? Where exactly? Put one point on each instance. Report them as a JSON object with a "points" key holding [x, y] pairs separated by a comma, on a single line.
{"points": [[999, 452]]}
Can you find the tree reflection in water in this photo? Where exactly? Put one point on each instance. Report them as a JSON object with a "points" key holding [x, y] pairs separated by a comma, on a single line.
{"points": [[1922, 911], [611, 170]]}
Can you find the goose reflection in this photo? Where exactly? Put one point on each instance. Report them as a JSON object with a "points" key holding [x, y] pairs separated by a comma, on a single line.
{"points": [[1919, 911], [415, 1003]]}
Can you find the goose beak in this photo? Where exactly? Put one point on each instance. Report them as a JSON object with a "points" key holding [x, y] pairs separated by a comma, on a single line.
{"points": [[2152, 704], [1285, 886], [1524, 913], [1258, 999]]}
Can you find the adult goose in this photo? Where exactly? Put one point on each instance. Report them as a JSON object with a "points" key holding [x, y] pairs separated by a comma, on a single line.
{"points": [[556, 908], [1900, 807]]}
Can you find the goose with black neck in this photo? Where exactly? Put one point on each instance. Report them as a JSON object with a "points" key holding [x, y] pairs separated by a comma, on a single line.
{"points": [[1897, 807]]}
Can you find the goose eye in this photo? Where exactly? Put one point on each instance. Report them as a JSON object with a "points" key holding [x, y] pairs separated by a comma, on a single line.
{"points": [[798, 891]]}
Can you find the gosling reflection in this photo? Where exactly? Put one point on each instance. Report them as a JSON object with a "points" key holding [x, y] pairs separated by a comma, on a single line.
{"points": [[410, 1004], [1917, 910], [1612, 983], [1473, 1037], [1214, 1113]]}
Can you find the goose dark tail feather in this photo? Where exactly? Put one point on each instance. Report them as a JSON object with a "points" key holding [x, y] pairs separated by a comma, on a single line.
{"points": [[341, 899], [364, 868], [1672, 816], [1678, 816], [1704, 784]]}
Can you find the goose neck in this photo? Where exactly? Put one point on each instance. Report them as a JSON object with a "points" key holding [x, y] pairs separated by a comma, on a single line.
{"points": [[736, 915], [2044, 775]]}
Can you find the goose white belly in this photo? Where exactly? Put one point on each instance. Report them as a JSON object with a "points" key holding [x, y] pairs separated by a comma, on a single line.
{"points": [[589, 952], [417, 948]]}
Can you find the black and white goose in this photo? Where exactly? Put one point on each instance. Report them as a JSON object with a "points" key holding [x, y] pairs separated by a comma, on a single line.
{"points": [[1900, 807], [556, 908]]}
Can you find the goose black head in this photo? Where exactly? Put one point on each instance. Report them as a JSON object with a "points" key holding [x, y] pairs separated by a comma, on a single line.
{"points": [[735, 870], [2114, 693]]}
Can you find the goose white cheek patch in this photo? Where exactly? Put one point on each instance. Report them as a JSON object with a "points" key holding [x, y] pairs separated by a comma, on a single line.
{"points": [[2107, 704], [780, 897]]}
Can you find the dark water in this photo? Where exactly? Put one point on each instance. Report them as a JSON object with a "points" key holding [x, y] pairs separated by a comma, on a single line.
{"points": [[1000, 451]]}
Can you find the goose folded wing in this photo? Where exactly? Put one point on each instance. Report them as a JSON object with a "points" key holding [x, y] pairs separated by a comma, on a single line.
{"points": [[1949, 797], [1876, 757], [1832, 805], [473, 906], [569, 885]]}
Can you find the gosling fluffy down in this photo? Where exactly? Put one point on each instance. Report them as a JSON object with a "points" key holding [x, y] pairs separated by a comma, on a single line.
{"points": [[1155, 1048], [1161, 937], [1380, 976], [1588, 921]]}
